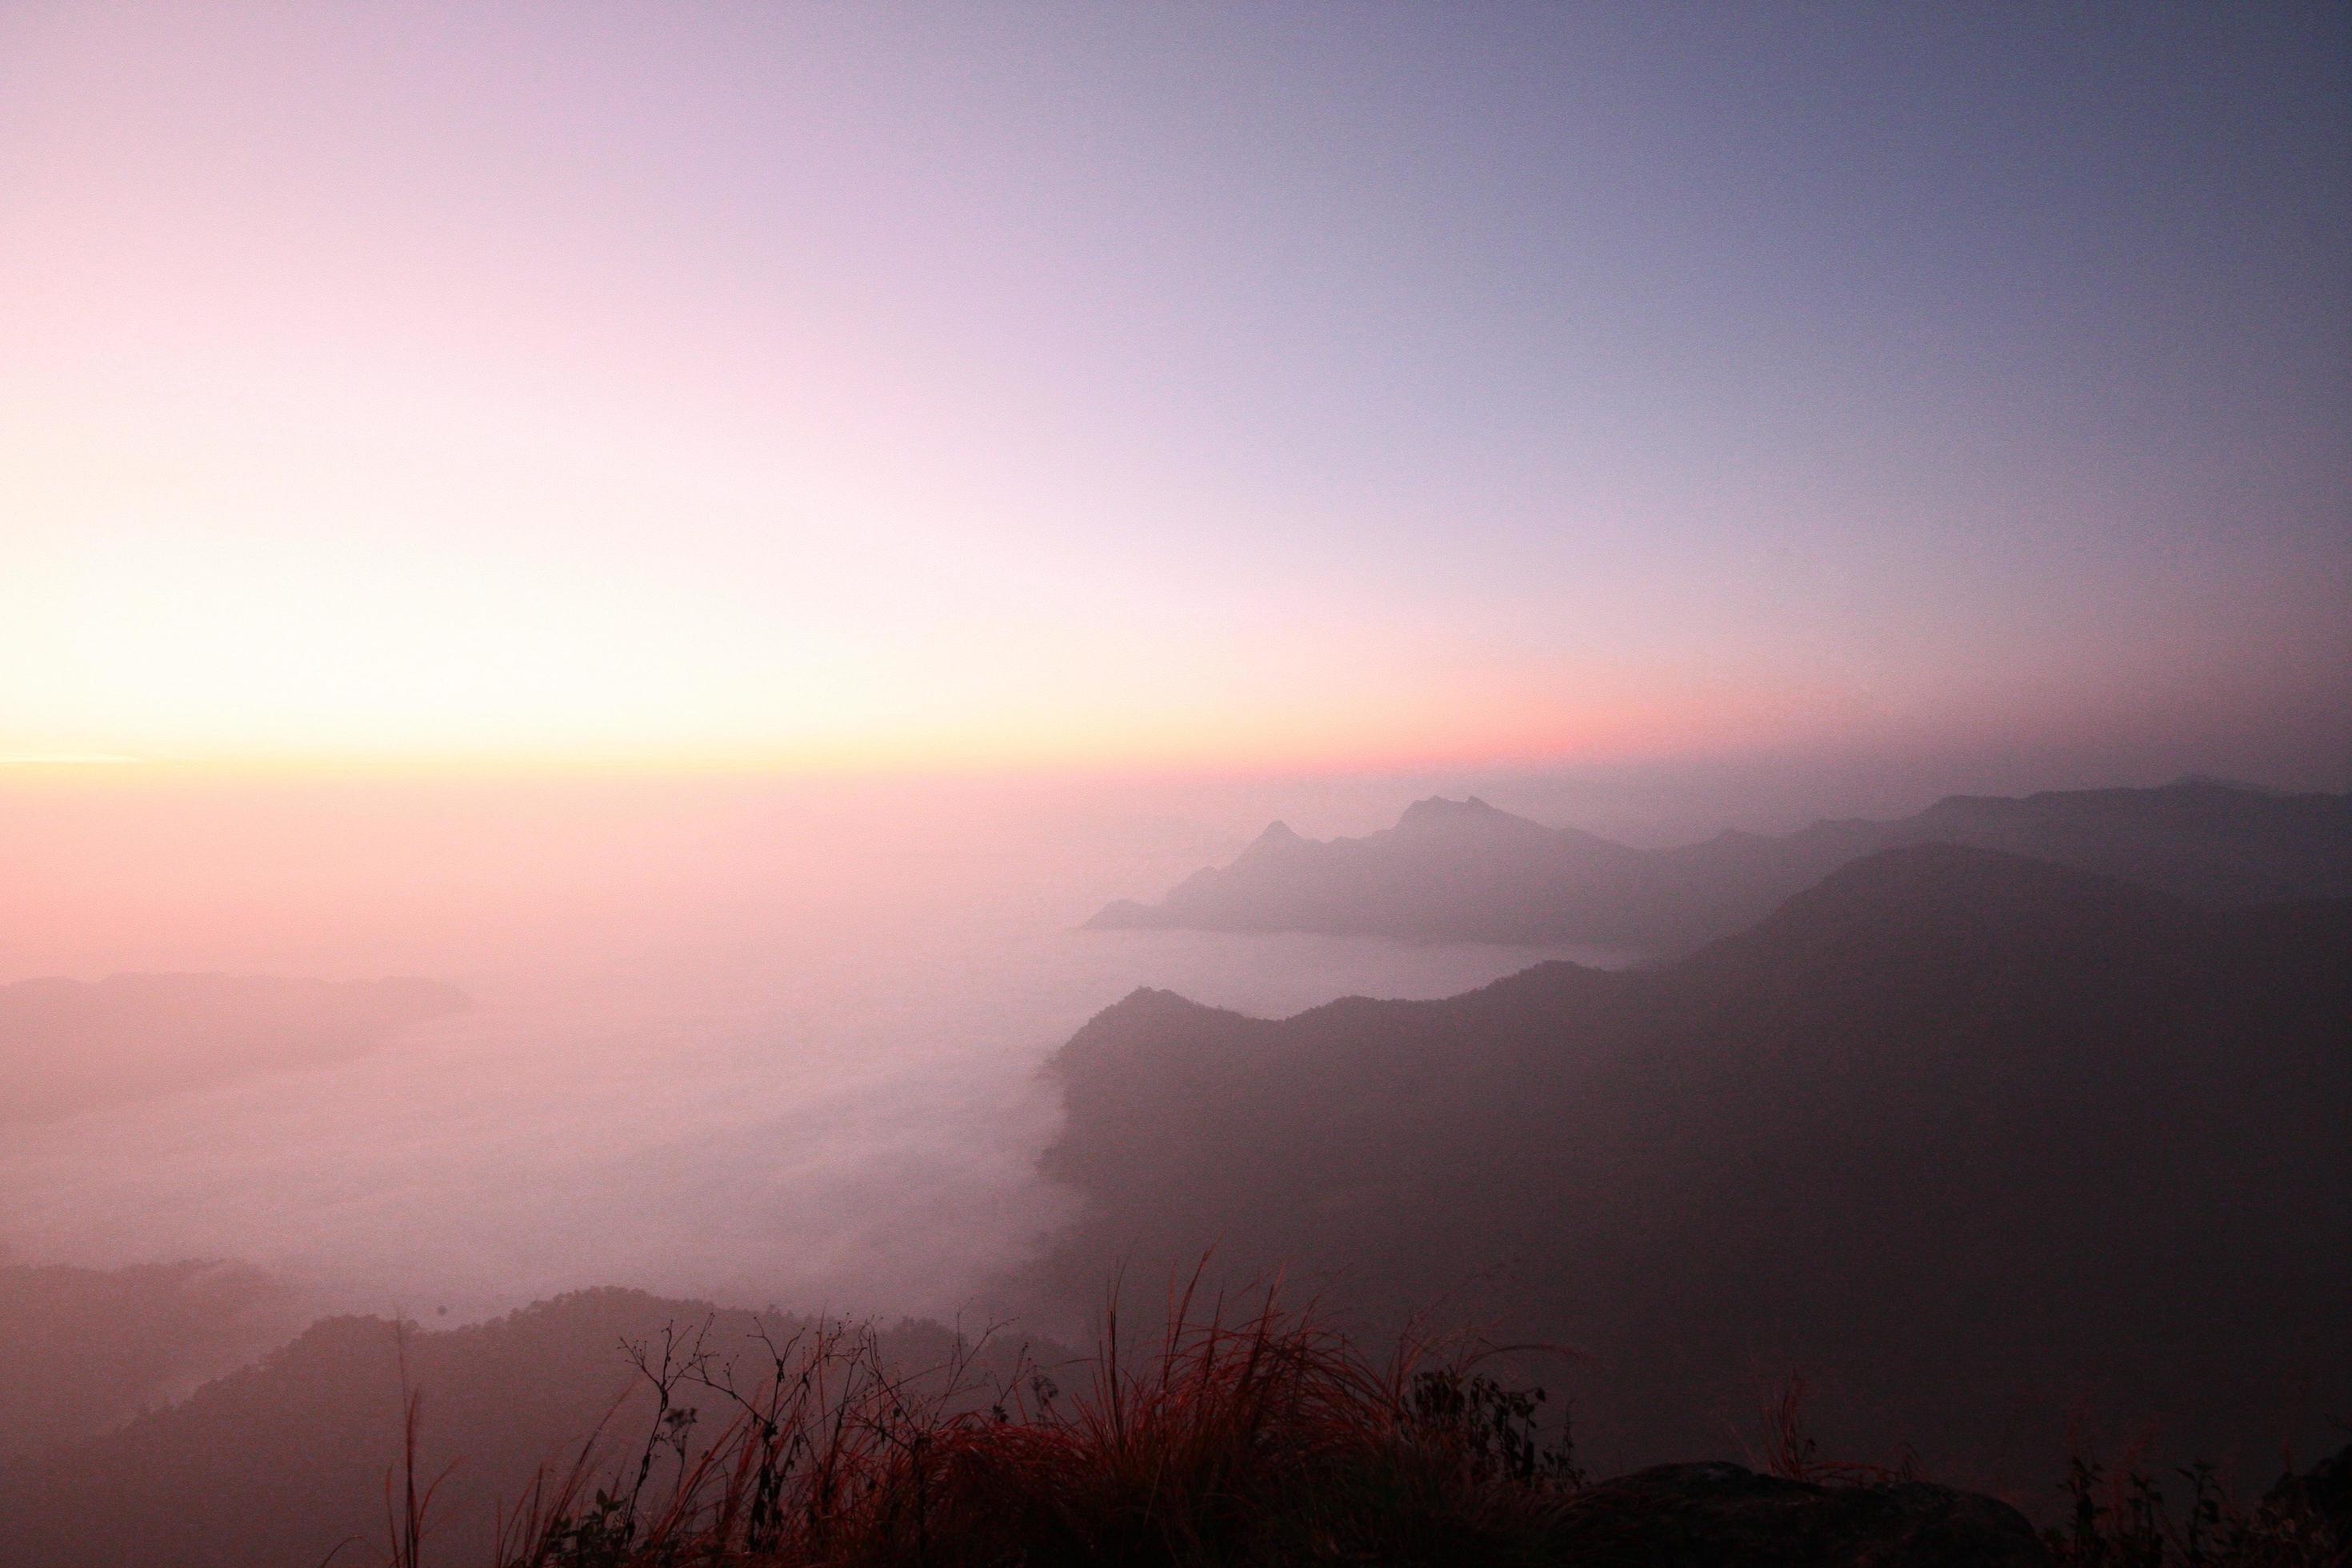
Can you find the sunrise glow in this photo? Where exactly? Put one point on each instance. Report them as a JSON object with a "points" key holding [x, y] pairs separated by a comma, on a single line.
{"points": [[657, 401]]}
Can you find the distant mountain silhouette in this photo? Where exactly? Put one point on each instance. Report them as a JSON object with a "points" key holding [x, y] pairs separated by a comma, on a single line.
{"points": [[71, 1045], [1983, 1142], [1463, 870]]}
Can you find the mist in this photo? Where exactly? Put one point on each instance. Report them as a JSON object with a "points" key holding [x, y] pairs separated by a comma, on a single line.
{"points": [[738, 1039]]}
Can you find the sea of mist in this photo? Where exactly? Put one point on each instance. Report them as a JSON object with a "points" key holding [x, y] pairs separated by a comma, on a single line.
{"points": [[750, 1041]]}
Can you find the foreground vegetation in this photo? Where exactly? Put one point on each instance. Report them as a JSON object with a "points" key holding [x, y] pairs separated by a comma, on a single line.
{"points": [[1270, 1438], [1266, 1438]]}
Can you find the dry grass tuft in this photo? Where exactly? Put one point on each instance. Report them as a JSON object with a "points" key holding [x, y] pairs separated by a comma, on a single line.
{"points": [[1259, 1437]]}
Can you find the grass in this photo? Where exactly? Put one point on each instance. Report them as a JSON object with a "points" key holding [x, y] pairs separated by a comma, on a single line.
{"points": [[1233, 1439], [2133, 1518], [1256, 1437]]}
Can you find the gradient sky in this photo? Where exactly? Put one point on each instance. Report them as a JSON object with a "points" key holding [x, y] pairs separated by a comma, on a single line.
{"points": [[1277, 386]]}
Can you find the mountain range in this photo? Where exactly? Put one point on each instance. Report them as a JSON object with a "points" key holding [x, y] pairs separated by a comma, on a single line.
{"points": [[84, 1349], [1986, 1147], [1465, 871]]}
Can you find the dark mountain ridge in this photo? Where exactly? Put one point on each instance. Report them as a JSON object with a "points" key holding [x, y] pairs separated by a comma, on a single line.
{"points": [[1463, 870], [1991, 1144], [284, 1461], [83, 1350]]}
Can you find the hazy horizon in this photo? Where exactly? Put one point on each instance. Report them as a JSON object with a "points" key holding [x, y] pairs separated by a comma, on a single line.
{"points": [[725, 1029], [749, 1042]]}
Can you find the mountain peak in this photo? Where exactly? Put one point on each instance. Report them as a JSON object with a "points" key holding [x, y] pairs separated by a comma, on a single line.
{"points": [[1440, 821], [1275, 842], [1437, 808]]}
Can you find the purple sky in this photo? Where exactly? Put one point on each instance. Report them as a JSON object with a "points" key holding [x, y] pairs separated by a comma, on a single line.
{"points": [[1233, 387]]}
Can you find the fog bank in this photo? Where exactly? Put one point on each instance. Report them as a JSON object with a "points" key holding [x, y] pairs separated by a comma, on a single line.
{"points": [[750, 1041]]}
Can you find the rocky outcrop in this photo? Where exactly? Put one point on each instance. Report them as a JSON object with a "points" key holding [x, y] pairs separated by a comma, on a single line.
{"points": [[1702, 1516], [2315, 1507]]}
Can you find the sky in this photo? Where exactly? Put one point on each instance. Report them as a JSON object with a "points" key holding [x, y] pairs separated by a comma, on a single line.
{"points": [[1207, 387]]}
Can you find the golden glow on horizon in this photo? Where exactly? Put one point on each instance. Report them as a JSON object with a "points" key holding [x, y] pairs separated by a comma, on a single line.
{"points": [[367, 489], [690, 613], [1381, 732]]}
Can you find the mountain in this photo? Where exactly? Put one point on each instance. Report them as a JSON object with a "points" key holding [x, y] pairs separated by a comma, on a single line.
{"points": [[68, 1046], [1464, 871], [1984, 1144], [278, 1463], [83, 1350]]}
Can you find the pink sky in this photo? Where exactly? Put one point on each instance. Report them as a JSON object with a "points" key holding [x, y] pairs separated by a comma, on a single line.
{"points": [[790, 386]]}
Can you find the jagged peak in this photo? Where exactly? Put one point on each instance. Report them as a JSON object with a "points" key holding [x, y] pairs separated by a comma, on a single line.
{"points": [[1440, 818], [1278, 841]]}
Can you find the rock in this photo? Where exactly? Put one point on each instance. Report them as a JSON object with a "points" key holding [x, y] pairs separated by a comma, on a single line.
{"points": [[2317, 1504], [1727, 1516]]}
